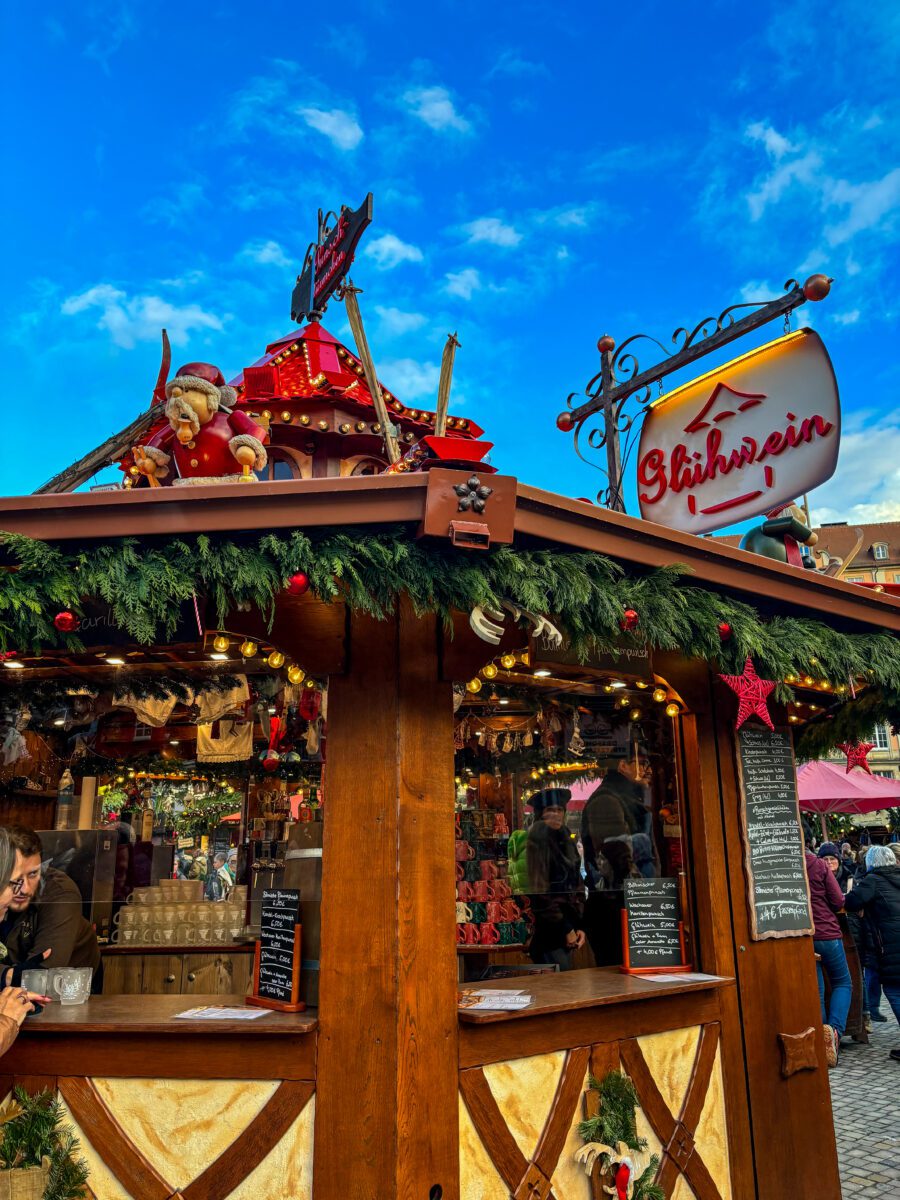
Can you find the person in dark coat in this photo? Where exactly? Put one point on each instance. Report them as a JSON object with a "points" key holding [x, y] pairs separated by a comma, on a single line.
{"points": [[878, 895], [833, 858], [615, 820], [554, 876], [827, 901]]}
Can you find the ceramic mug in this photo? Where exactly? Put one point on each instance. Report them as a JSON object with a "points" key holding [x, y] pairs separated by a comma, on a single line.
{"points": [[511, 910], [494, 910], [460, 871], [480, 891], [463, 913], [489, 869], [464, 891], [490, 934], [471, 935], [498, 889]]}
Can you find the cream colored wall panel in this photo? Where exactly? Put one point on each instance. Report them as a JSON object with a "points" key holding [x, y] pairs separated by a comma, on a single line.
{"points": [[183, 1125], [569, 1180], [682, 1190], [478, 1178], [524, 1089], [285, 1173], [711, 1137], [670, 1058]]}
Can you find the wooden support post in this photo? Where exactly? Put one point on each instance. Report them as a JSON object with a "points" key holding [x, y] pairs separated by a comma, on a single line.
{"points": [[386, 1106]]}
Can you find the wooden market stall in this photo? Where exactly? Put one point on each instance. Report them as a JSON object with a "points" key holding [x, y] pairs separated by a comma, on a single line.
{"points": [[384, 1087]]}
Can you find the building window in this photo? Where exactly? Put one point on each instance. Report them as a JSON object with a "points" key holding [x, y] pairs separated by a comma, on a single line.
{"points": [[853, 579], [881, 737], [884, 774], [881, 550]]}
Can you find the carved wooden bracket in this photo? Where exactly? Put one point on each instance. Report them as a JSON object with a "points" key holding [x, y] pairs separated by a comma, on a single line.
{"points": [[798, 1052]]}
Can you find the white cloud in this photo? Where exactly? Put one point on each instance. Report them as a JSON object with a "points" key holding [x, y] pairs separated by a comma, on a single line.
{"points": [[511, 62], [568, 216], [388, 251], [805, 170], [493, 231], [139, 318], [868, 205], [396, 322], [266, 254], [867, 480], [847, 318], [434, 106], [776, 145], [409, 379], [462, 283], [340, 127]]}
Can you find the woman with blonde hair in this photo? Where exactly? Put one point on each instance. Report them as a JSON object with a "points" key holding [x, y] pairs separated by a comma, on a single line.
{"points": [[15, 1002]]}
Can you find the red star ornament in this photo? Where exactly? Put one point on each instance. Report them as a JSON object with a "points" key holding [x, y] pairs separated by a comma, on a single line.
{"points": [[752, 693], [857, 755]]}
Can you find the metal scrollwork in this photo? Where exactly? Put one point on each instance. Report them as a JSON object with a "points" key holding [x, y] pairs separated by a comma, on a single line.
{"points": [[621, 382]]}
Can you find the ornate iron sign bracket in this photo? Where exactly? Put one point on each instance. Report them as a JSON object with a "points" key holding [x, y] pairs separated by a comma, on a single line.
{"points": [[620, 378]]}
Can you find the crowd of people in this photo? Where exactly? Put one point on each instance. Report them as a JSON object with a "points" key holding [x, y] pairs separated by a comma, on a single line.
{"points": [[864, 889]]}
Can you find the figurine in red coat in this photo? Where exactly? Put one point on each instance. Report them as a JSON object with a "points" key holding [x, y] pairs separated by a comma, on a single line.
{"points": [[206, 438]]}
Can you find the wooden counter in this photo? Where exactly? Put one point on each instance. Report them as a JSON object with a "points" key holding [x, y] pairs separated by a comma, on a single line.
{"points": [[570, 990], [141, 1037], [578, 1008]]}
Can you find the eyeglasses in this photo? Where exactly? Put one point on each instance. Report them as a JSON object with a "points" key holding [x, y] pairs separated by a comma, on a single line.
{"points": [[18, 885]]}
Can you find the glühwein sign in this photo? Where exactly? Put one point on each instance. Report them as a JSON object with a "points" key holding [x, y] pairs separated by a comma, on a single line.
{"points": [[741, 439]]}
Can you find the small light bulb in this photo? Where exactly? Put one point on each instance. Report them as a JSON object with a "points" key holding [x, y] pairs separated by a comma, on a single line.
{"points": [[542, 674], [659, 694], [275, 660], [672, 710], [508, 661], [473, 686], [296, 674], [635, 714], [220, 642], [249, 649], [489, 671]]}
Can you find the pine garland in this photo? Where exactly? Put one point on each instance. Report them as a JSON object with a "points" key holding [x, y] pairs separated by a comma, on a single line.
{"points": [[616, 1124], [145, 583], [32, 1132]]}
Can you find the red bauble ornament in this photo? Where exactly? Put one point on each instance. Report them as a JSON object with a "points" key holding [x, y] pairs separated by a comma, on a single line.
{"points": [[298, 584], [724, 631], [271, 762], [565, 421], [66, 622], [817, 287], [630, 620], [606, 344], [752, 693], [857, 755]]}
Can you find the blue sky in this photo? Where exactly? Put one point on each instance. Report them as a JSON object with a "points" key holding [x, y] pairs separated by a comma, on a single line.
{"points": [[542, 174]]}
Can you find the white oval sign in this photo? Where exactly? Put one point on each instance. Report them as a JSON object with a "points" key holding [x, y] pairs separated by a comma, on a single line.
{"points": [[737, 442]]}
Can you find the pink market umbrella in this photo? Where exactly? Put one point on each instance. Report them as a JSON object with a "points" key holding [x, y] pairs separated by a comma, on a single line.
{"points": [[829, 788]]}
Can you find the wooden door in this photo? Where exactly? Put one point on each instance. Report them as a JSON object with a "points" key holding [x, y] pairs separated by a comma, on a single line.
{"points": [[162, 974], [209, 975], [123, 975]]}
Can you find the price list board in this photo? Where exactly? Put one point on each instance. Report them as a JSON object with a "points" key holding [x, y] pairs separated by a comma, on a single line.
{"points": [[777, 887], [654, 939], [279, 961]]}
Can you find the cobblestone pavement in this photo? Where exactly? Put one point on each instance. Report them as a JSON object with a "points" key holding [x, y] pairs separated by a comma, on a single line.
{"points": [[865, 1095]]}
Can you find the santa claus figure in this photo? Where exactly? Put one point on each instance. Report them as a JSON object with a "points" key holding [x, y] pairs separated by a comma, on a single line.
{"points": [[206, 440]]}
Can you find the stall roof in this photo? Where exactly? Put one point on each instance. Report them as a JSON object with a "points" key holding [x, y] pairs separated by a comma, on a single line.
{"points": [[540, 516]]}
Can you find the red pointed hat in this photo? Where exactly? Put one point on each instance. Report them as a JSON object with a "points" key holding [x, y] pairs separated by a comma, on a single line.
{"points": [[204, 377]]}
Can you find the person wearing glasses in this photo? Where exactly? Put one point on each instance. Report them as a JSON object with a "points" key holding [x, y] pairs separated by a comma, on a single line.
{"points": [[15, 1002], [44, 914]]}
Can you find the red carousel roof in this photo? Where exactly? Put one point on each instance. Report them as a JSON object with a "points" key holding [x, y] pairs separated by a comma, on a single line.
{"points": [[312, 362]]}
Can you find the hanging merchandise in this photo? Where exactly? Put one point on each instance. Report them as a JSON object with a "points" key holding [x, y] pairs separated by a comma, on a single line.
{"points": [[752, 693], [65, 793], [233, 743], [212, 704], [576, 742], [148, 710]]}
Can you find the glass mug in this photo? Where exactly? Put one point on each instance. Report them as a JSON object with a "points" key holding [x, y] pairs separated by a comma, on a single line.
{"points": [[35, 981], [71, 984]]}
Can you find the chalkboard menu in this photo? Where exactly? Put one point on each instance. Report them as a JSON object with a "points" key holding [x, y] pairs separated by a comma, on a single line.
{"points": [[777, 888], [652, 925], [279, 967]]}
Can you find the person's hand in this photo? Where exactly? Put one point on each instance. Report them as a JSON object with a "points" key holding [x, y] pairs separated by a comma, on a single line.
{"points": [[14, 976], [15, 1002], [579, 938]]}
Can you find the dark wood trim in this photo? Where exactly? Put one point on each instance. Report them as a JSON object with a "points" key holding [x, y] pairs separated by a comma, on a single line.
{"points": [[483, 1044], [492, 1129], [248, 1150], [127, 1055], [565, 1102], [136, 1174]]}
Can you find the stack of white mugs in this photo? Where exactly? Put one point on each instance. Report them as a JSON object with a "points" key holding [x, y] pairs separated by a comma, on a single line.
{"points": [[175, 914]]}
